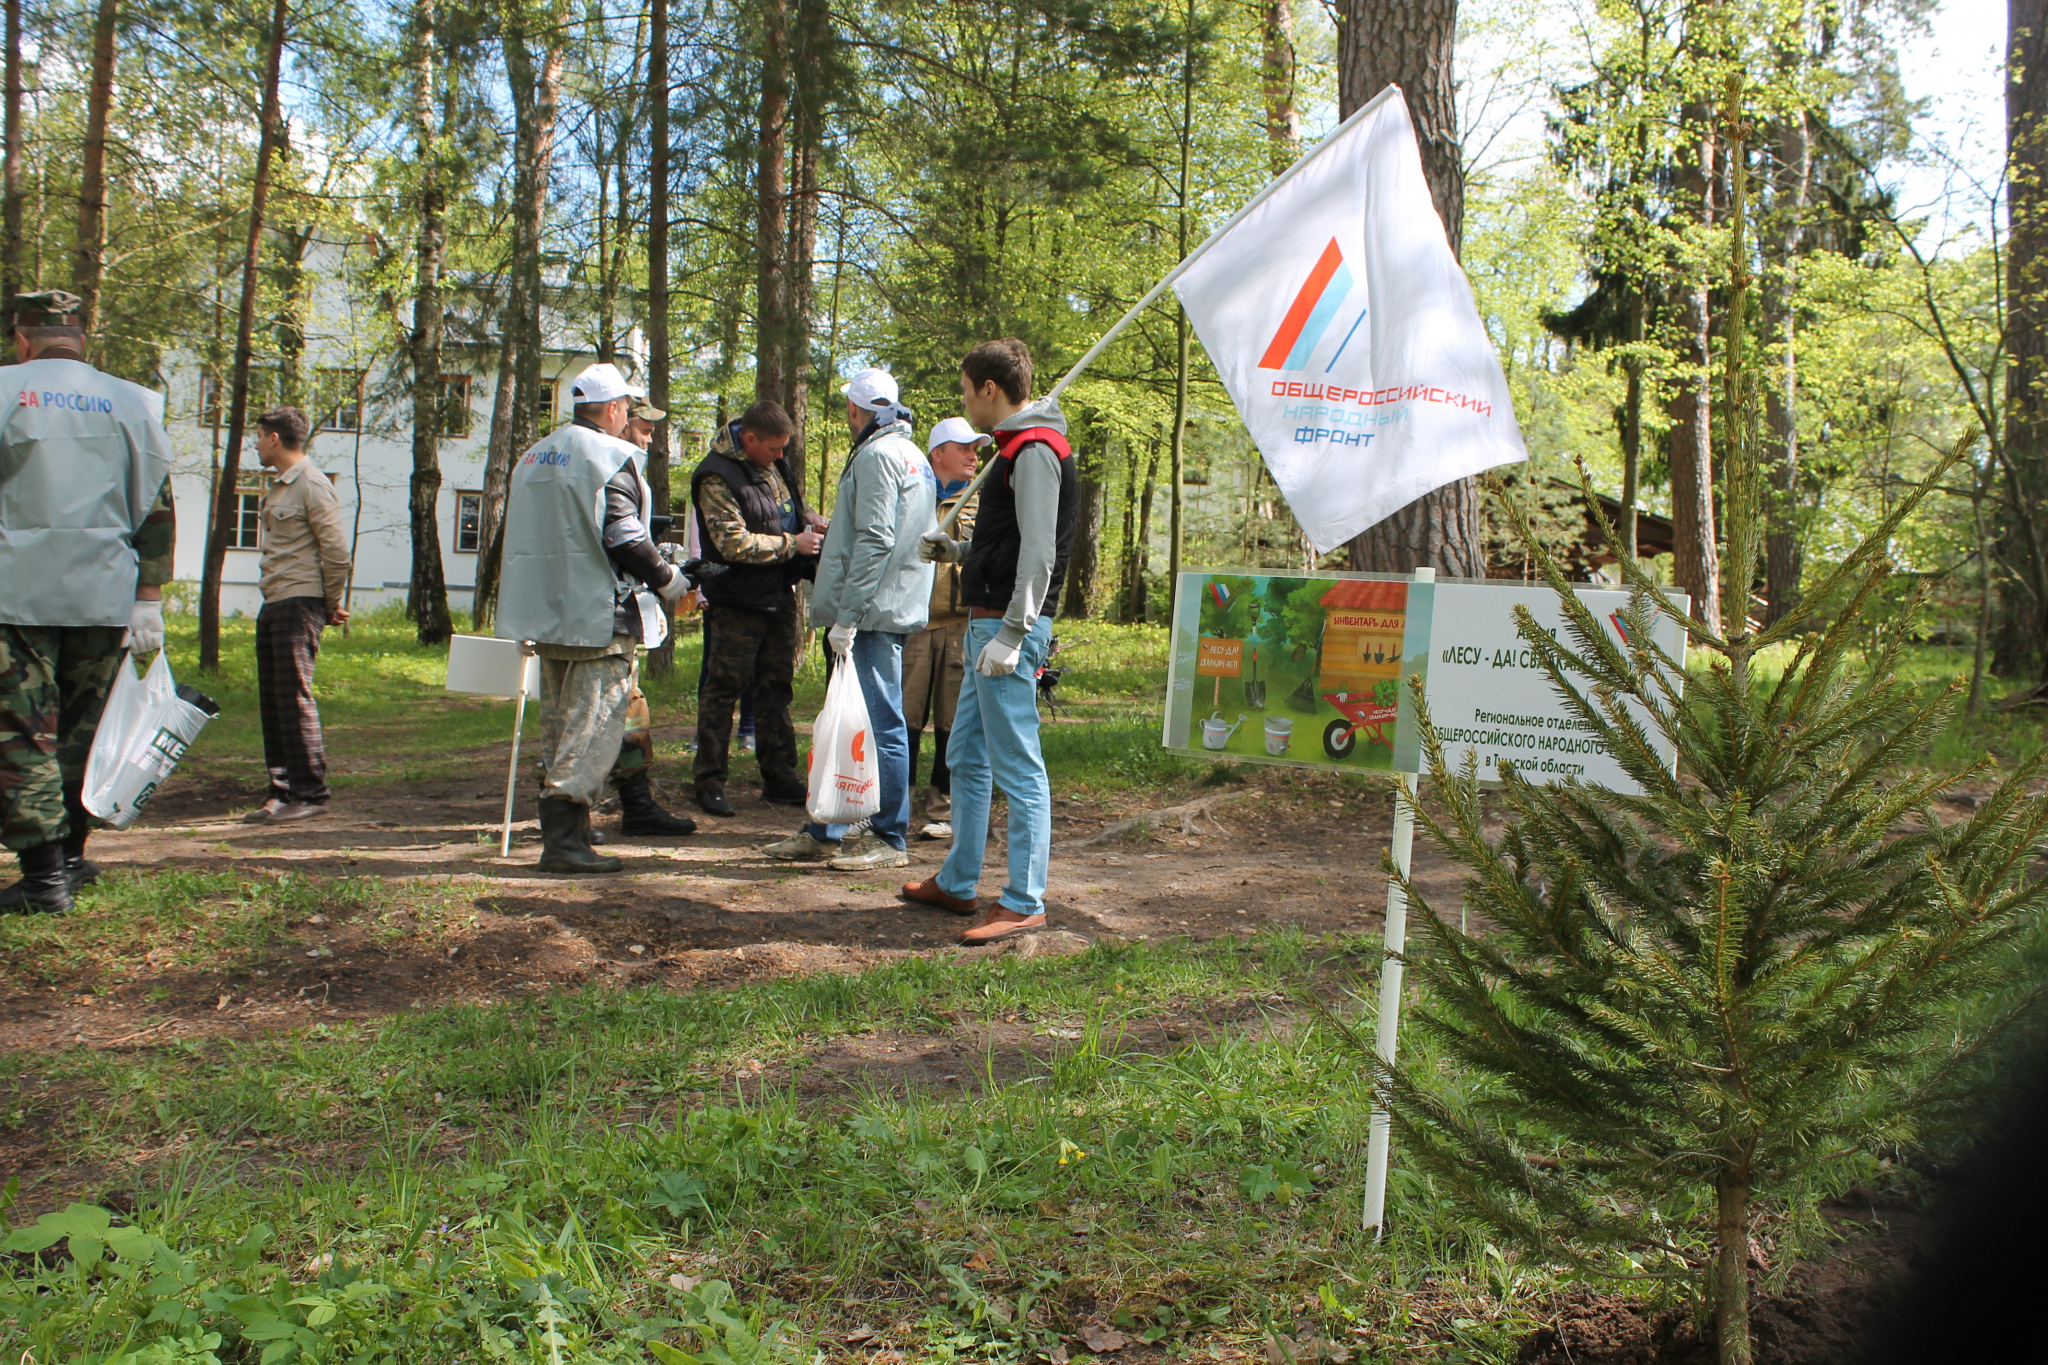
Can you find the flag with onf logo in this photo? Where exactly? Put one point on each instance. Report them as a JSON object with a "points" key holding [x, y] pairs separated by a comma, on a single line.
{"points": [[1345, 332]]}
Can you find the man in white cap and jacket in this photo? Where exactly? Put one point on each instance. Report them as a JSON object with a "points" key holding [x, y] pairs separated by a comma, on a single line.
{"points": [[580, 574], [872, 592]]}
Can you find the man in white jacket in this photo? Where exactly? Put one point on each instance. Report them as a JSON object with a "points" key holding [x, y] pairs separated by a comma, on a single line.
{"points": [[873, 591]]}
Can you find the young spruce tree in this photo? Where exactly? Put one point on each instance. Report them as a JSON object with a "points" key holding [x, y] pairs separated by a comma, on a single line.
{"points": [[1685, 1001]]}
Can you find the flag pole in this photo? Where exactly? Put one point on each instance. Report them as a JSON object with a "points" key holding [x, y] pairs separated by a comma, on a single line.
{"points": [[947, 522]]}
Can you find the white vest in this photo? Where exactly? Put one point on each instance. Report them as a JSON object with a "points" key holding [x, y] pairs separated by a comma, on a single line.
{"points": [[557, 585], [82, 458]]}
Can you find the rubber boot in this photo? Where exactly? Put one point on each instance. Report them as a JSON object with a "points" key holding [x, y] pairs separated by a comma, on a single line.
{"points": [[562, 848], [78, 825], [643, 815], [45, 888]]}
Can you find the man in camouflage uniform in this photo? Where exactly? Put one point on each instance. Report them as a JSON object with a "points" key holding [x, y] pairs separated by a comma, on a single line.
{"points": [[86, 536], [751, 519]]}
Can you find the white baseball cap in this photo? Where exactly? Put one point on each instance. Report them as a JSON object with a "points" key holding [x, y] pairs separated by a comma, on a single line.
{"points": [[955, 429], [872, 389], [601, 383]]}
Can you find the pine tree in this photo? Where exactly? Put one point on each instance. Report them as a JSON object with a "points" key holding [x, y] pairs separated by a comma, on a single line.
{"points": [[1685, 1002]]}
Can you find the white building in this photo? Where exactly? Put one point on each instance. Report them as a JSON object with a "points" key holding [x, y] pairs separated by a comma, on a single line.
{"points": [[362, 414]]}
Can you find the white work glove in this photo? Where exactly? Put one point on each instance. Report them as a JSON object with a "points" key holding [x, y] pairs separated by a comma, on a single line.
{"points": [[998, 659], [841, 639], [678, 584], [936, 547], [146, 626]]}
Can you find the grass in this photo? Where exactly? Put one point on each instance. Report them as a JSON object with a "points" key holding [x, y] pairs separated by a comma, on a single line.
{"points": [[458, 1184]]}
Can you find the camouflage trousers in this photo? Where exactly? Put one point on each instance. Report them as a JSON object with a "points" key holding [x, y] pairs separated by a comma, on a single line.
{"points": [[53, 685], [636, 750], [742, 649]]}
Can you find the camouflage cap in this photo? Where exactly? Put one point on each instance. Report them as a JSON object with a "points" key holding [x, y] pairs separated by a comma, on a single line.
{"points": [[647, 412], [45, 308]]}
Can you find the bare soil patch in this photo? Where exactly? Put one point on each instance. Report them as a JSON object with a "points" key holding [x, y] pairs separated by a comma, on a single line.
{"points": [[704, 910]]}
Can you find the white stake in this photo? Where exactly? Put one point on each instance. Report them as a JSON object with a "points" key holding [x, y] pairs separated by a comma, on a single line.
{"points": [[512, 774], [1381, 1133]]}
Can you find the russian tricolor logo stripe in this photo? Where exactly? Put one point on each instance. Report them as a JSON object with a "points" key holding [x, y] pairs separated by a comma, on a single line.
{"points": [[1314, 308]]}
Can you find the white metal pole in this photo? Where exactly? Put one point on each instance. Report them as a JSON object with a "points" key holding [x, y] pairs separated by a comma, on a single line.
{"points": [[512, 773], [947, 522], [1380, 1135]]}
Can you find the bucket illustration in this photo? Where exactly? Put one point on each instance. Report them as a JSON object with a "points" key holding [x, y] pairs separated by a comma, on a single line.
{"points": [[1279, 734], [1216, 732]]}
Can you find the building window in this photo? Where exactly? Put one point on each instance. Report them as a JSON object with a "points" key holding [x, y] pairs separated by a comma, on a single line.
{"points": [[544, 403], [214, 393], [454, 414], [340, 400], [247, 531], [469, 522]]}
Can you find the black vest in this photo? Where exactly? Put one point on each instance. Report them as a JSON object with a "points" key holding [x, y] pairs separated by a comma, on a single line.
{"points": [[760, 588], [988, 576]]}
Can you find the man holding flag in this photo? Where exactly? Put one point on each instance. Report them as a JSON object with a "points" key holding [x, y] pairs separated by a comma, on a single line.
{"points": [[1011, 573]]}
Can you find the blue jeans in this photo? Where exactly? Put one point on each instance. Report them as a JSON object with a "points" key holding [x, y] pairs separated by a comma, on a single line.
{"points": [[994, 741], [877, 659]]}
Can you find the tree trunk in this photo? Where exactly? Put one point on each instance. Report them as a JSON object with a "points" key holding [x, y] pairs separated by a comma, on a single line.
{"points": [[1178, 436], [1128, 557], [90, 257], [813, 56], [1632, 421], [1409, 43], [1139, 590], [225, 508], [2022, 637], [1283, 117], [1731, 1262], [1081, 562], [498, 452], [535, 89], [1695, 554], [427, 599], [10, 176], [771, 224], [1791, 179], [659, 452]]}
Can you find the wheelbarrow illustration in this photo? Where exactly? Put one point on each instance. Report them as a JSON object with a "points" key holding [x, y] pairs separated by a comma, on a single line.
{"points": [[1358, 712]]}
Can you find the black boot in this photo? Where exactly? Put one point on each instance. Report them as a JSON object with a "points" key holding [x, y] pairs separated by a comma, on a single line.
{"points": [[562, 848], [643, 815], [78, 823], [45, 888]]}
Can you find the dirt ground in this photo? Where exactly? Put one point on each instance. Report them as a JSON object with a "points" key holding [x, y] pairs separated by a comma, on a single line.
{"points": [[698, 910]]}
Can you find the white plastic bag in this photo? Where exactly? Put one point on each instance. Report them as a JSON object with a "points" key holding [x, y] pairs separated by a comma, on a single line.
{"points": [[144, 730], [846, 782]]}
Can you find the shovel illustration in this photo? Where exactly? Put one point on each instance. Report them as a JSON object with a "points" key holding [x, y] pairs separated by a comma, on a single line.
{"points": [[1255, 687]]}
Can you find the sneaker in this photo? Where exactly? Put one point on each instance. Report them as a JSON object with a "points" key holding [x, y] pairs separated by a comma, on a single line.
{"points": [[290, 812], [746, 744], [937, 829], [800, 847], [261, 815], [868, 851]]}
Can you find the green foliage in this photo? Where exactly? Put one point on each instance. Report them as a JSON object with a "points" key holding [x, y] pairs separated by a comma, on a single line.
{"points": [[1695, 999]]}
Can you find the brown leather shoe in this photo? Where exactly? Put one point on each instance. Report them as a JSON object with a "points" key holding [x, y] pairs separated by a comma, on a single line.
{"points": [[1000, 923], [927, 892]]}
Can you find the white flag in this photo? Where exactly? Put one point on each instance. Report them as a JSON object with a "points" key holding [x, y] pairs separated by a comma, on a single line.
{"points": [[1345, 332]]}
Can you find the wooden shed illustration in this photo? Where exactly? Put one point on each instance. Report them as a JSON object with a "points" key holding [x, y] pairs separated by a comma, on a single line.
{"points": [[1360, 662], [1362, 628]]}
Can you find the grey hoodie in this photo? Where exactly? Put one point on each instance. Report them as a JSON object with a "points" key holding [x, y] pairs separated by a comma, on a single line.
{"points": [[869, 575], [1036, 482]]}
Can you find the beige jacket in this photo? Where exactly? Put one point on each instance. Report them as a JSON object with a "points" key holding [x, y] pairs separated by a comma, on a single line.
{"points": [[946, 607], [305, 543]]}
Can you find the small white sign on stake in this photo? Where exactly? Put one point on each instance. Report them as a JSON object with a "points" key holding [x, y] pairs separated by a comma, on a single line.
{"points": [[485, 666]]}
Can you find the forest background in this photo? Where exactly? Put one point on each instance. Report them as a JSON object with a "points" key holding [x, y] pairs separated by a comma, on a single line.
{"points": [[1688, 226]]}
